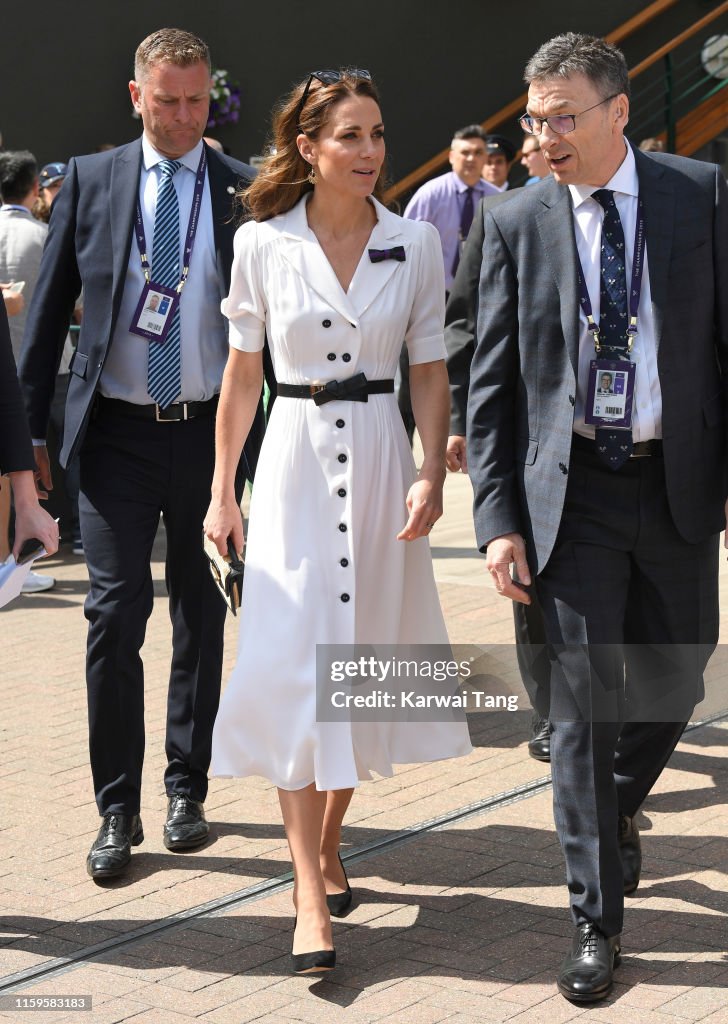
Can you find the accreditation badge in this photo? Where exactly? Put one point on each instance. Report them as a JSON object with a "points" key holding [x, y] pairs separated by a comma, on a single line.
{"points": [[610, 393], [153, 316]]}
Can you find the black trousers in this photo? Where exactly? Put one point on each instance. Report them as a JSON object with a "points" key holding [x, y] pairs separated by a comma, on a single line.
{"points": [[631, 615], [133, 471]]}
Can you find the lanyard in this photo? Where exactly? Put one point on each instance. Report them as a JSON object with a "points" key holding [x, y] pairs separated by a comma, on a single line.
{"points": [[15, 206], [638, 262], [191, 227]]}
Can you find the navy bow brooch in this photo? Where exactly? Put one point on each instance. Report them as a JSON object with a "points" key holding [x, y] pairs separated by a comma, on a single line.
{"points": [[397, 253]]}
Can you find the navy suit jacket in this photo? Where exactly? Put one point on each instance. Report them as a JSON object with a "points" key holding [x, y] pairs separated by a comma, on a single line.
{"points": [[523, 373], [16, 451], [89, 240]]}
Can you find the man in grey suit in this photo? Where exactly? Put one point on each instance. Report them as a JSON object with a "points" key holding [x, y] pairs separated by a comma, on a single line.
{"points": [[614, 521]]}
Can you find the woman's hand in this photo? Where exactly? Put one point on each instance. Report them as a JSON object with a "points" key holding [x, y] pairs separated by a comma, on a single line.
{"points": [[31, 521], [424, 502], [14, 301], [224, 519]]}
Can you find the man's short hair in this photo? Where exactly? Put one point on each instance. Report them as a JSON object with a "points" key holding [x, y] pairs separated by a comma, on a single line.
{"points": [[575, 54], [470, 131], [18, 173], [170, 46]]}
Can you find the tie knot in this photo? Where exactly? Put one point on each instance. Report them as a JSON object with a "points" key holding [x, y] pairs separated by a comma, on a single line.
{"points": [[168, 168], [605, 198]]}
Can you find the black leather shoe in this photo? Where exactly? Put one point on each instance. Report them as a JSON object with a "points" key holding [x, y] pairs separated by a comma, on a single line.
{"points": [[111, 849], [539, 746], [186, 826], [339, 902], [630, 850], [586, 973]]}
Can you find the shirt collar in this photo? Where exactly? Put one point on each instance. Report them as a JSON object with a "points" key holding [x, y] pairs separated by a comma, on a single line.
{"points": [[15, 208], [623, 180], [460, 185], [151, 157]]}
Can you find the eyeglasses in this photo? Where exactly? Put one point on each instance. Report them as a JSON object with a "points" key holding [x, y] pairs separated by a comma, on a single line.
{"points": [[561, 124], [328, 77]]}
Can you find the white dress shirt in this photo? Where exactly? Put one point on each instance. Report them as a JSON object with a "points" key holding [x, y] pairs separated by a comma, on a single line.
{"points": [[203, 330], [588, 218]]}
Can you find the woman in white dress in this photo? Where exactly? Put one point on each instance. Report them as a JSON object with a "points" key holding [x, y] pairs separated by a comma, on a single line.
{"points": [[337, 550]]}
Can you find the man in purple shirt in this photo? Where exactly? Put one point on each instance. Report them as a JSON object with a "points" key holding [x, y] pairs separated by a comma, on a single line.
{"points": [[450, 200]]}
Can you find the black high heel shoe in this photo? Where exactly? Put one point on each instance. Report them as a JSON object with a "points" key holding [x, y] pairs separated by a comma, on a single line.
{"points": [[313, 963], [339, 902]]}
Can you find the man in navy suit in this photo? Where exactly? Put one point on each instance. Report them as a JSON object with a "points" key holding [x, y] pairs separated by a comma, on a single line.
{"points": [[141, 414]]}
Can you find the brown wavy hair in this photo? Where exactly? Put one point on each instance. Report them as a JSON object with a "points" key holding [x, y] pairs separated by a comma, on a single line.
{"points": [[282, 178]]}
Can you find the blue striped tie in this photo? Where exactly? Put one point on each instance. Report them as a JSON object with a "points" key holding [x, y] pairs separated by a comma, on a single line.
{"points": [[165, 364]]}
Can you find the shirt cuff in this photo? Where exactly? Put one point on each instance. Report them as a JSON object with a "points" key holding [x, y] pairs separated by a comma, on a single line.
{"points": [[426, 350], [247, 338]]}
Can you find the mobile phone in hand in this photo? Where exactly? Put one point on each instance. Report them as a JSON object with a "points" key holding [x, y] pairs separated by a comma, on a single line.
{"points": [[32, 548]]}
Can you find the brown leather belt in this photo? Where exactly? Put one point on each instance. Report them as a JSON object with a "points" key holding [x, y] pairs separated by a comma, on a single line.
{"points": [[177, 413], [640, 449]]}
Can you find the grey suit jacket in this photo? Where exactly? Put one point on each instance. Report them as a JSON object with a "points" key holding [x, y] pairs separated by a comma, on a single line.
{"points": [[462, 310], [523, 373], [88, 244]]}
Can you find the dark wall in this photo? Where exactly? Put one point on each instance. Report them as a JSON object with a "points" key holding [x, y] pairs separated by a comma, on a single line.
{"points": [[64, 69]]}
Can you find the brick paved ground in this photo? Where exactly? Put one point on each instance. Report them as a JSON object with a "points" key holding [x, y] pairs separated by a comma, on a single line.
{"points": [[465, 923]]}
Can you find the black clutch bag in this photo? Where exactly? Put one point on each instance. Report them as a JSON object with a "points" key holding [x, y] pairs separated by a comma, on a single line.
{"points": [[227, 572]]}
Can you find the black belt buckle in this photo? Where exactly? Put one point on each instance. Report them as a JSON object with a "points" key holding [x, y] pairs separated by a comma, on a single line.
{"points": [[161, 416], [651, 447]]}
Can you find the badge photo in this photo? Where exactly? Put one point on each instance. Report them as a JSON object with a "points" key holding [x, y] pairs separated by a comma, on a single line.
{"points": [[609, 394], [153, 315]]}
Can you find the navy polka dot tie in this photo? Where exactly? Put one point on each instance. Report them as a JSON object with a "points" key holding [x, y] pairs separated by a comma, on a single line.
{"points": [[614, 446]]}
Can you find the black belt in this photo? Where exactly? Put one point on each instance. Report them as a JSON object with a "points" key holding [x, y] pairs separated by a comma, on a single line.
{"points": [[640, 449], [176, 413], [353, 389]]}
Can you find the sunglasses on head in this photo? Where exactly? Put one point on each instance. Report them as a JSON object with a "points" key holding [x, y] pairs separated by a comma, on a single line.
{"points": [[327, 77]]}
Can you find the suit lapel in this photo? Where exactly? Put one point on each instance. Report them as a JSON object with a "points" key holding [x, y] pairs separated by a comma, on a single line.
{"points": [[659, 204], [224, 183], [123, 193], [556, 228]]}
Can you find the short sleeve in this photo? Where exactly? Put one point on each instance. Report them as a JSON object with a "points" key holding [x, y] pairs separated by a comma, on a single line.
{"points": [[425, 330], [245, 306]]}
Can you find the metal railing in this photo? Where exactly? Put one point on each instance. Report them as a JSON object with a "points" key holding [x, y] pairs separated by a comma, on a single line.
{"points": [[678, 84], [675, 86]]}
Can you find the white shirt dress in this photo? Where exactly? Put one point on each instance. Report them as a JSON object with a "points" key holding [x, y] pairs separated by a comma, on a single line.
{"points": [[323, 565]]}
